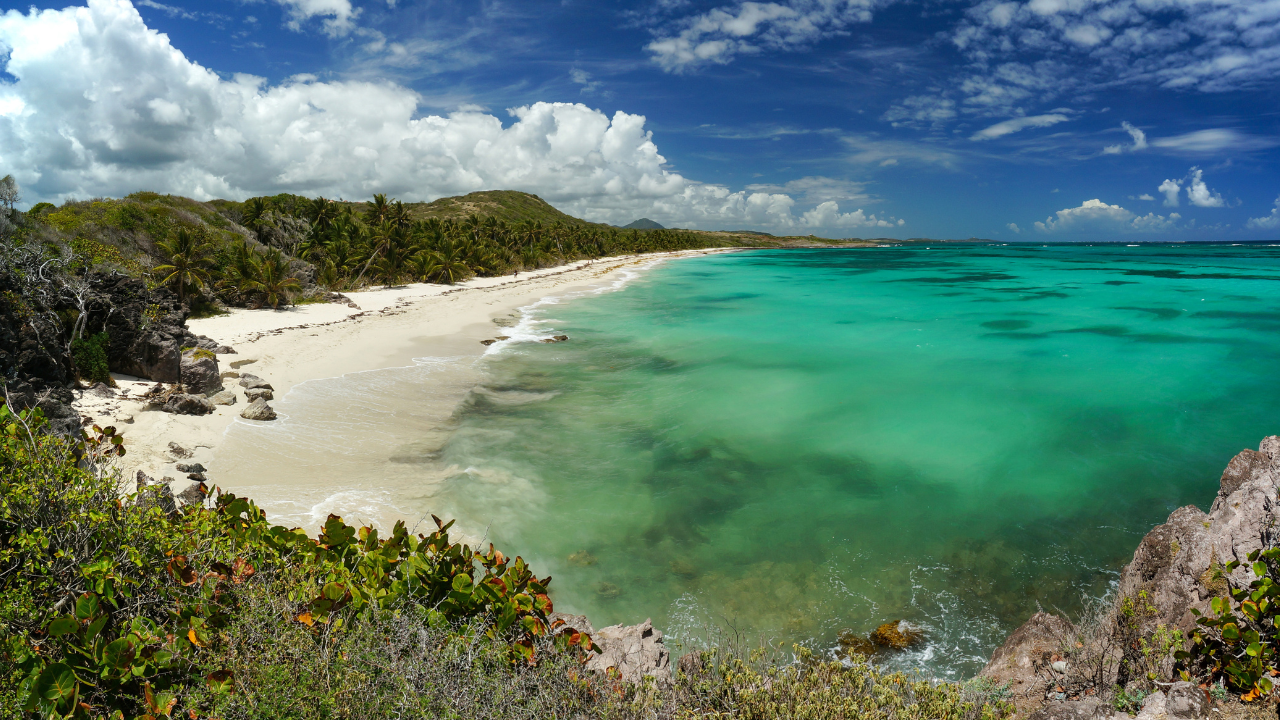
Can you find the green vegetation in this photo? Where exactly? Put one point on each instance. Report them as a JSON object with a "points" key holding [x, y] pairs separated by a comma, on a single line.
{"points": [[121, 606], [1237, 643], [280, 249], [90, 358]]}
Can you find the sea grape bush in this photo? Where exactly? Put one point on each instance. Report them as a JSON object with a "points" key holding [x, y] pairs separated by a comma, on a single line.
{"points": [[117, 608], [1237, 642]]}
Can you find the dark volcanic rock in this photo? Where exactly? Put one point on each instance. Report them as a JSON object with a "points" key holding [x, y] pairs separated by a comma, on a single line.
{"points": [[145, 326], [154, 494], [194, 494], [184, 404], [190, 468]]}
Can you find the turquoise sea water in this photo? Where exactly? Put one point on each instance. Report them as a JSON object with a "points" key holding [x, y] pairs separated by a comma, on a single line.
{"points": [[796, 443]]}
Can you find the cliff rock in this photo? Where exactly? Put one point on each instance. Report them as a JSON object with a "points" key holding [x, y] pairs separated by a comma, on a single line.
{"points": [[1024, 661], [1178, 564], [1178, 567], [635, 650]]}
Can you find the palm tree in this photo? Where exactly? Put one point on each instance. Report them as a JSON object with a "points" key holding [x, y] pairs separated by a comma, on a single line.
{"points": [[323, 212], [254, 210], [379, 211], [379, 238], [188, 262], [395, 256], [274, 280], [424, 265], [452, 268]]}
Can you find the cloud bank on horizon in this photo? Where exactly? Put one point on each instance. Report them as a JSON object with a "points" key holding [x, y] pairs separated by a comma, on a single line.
{"points": [[73, 126], [839, 117]]}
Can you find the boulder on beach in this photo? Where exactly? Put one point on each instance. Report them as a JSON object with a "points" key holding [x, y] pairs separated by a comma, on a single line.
{"points": [[226, 397], [258, 410], [186, 404], [190, 468], [259, 392], [199, 370], [250, 381]]}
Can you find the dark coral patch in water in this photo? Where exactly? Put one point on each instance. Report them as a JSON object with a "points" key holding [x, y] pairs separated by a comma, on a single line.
{"points": [[1007, 324]]}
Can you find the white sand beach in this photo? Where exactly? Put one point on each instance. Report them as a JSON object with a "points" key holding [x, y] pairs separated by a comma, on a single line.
{"points": [[387, 328]]}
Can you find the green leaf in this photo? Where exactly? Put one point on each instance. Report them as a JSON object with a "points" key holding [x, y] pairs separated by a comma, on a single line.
{"points": [[1253, 649], [1260, 569], [55, 683], [95, 627], [462, 583], [61, 626], [118, 654], [87, 607]]}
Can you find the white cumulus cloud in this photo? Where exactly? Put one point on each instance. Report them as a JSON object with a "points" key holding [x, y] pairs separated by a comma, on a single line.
{"points": [[99, 104], [1170, 190], [1267, 222], [827, 215], [1018, 124], [1095, 216], [1199, 193]]}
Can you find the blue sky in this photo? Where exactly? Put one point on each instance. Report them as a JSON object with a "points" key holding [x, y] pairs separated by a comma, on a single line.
{"points": [[1012, 120]]}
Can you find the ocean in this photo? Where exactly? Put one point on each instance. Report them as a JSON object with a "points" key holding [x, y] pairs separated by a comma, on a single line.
{"points": [[791, 445]]}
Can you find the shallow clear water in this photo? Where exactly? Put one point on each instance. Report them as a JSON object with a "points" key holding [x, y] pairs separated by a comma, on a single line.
{"points": [[794, 443]]}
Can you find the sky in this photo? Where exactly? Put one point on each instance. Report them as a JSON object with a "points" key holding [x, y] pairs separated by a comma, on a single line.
{"points": [[1038, 120]]}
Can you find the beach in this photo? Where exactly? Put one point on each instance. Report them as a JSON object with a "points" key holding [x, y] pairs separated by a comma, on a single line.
{"points": [[381, 328]]}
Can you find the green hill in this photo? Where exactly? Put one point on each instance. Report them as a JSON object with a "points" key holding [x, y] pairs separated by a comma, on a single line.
{"points": [[643, 224], [510, 206]]}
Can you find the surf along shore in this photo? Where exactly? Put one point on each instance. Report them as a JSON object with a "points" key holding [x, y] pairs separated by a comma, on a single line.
{"points": [[382, 328]]}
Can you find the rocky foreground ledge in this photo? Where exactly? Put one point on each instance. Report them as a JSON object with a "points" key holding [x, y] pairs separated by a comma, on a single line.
{"points": [[1177, 567]]}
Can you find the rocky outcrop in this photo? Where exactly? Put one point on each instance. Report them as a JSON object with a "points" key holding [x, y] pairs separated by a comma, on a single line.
{"points": [[1178, 567], [194, 494], [153, 493], [636, 651], [258, 410], [259, 392], [1024, 662], [199, 371], [1179, 563]]}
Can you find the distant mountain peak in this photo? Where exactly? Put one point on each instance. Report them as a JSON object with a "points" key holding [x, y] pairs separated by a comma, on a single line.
{"points": [[643, 224]]}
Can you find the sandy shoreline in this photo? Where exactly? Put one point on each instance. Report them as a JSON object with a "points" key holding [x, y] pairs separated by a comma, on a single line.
{"points": [[387, 329]]}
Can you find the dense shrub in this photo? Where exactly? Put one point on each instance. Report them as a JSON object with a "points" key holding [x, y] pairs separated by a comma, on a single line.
{"points": [[90, 357]]}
